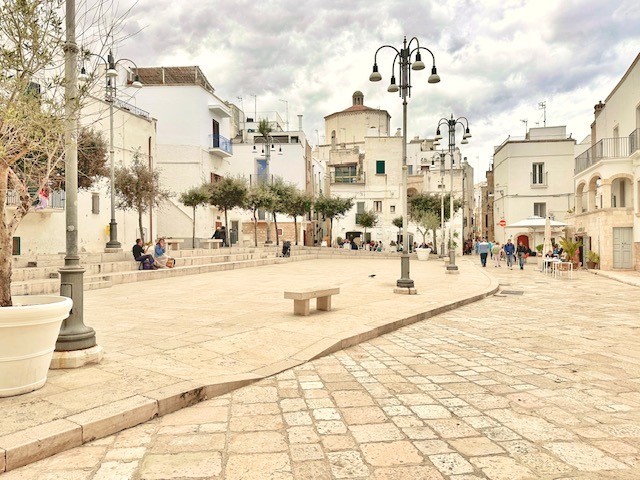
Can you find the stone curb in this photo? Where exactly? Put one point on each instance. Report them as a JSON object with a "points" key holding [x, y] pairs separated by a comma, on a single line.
{"points": [[36, 443], [605, 274]]}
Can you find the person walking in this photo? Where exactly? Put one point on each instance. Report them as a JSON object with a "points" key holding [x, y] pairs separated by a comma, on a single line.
{"points": [[510, 250], [522, 254], [495, 252], [483, 250]]}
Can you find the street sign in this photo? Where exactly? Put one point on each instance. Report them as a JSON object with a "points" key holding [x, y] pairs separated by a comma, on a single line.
{"points": [[502, 223]]}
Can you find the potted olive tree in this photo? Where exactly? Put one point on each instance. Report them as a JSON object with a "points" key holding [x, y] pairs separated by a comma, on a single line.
{"points": [[32, 139]]}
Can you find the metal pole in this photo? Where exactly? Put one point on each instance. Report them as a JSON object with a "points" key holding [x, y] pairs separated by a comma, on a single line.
{"points": [[441, 206], [268, 159], [113, 226], [452, 251], [74, 334], [404, 281]]}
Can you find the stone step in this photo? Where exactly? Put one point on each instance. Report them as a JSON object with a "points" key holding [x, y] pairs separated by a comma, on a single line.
{"points": [[107, 279]]}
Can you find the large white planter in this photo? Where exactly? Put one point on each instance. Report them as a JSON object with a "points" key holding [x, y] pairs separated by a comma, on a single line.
{"points": [[423, 253], [28, 334]]}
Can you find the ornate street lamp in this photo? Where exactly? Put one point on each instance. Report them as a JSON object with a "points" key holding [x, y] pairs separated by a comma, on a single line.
{"points": [[268, 147], [451, 124], [111, 75], [408, 58]]}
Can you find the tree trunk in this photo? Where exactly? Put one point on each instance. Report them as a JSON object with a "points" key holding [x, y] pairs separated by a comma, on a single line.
{"points": [[295, 225], [226, 228], [255, 227], [331, 232], [140, 224], [5, 243], [193, 238], [275, 222]]}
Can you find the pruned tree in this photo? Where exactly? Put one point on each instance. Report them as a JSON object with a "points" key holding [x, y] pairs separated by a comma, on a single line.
{"points": [[194, 198], [426, 221], [282, 192], [259, 197], [227, 194], [138, 188], [298, 205], [367, 220], [422, 204], [333, 207], [93, 152], [31, 114]]}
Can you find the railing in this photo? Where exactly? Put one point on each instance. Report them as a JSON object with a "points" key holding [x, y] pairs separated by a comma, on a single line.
{"points": [[260, 179], [220, 142], [56, 199], [131, 108], [605, 148], [347, 178], [540, 179], [634, 141]]}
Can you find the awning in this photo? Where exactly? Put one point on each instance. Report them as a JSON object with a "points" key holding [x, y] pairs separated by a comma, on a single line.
{"points": [[535, 222]]}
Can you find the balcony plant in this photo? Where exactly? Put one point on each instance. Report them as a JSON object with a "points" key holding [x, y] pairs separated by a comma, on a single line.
{"points": [[32, 138], [593, 260]]}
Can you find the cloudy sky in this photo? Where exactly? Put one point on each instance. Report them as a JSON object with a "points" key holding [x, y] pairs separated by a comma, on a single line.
{"points": [[497, 58]]}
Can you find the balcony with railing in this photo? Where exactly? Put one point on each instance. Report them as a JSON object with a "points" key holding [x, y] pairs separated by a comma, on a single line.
{"points": [[220, 146], [130, 108], [56, 200], [607, 148], [347, 177], [634, 143], [538, 179]]}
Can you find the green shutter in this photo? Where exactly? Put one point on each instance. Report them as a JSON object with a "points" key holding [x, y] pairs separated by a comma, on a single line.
{"points": [[379, 167]]}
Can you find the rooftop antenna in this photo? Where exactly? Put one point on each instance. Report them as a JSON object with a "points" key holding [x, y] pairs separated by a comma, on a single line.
{"points": [[543, 106], [526, 126]]}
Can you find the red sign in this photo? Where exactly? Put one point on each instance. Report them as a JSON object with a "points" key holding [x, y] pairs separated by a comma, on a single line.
{"points": [[502, 223]]}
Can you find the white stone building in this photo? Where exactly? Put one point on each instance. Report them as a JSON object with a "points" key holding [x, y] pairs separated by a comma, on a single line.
{"points": [[607, 178], [365, 163], [194, 143], [532, 176], [42, 231]]}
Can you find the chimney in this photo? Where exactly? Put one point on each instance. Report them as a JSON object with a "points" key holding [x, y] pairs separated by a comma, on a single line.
{"points": [[300, 122], [598, 108]]}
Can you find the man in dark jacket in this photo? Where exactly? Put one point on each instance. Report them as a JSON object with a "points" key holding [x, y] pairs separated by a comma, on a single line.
{"points": [[509, 250], [139, 255]]}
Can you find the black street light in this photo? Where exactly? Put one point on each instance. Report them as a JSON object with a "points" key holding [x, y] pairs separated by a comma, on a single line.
{"points": [[451, 125], [408, 59], [111, 75]]}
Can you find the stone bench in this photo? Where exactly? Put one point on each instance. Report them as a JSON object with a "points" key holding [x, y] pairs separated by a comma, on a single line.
{"points": [[212, 242], [301, 299], [173, 243]]}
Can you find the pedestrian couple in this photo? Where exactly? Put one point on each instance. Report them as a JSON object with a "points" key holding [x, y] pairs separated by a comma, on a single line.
{"points": [[509, 251]]}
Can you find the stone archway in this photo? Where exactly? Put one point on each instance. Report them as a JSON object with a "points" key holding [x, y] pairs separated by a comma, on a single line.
{"points": [[579, 200]]}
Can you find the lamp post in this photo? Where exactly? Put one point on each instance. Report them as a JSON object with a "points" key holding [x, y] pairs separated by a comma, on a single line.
{"points": [[451, 124], [74, 334], [111, 76], [441, 156], [408, 58]]}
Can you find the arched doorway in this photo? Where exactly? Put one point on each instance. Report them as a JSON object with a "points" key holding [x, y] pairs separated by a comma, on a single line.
{"points": [[524, 239]]}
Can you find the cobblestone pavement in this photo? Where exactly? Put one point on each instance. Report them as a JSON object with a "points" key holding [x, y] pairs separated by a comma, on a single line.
{"points": [[538, 382]]}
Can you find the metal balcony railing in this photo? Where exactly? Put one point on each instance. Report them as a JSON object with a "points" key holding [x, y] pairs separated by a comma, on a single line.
{"points": [[56, 199], [605, 148], [220, 142], [634, 141], [131, 108], [347, 178], [539, 179]]}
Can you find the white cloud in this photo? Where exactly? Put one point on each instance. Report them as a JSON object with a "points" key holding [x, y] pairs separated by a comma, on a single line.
{"points": [[497, 58]]}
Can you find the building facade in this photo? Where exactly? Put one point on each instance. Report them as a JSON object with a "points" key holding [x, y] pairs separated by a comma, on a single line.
{"points": [[607, 178], [531, 176]]}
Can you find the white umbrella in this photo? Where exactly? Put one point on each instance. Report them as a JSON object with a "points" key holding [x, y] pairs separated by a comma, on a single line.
{"points": [[547, 237]]}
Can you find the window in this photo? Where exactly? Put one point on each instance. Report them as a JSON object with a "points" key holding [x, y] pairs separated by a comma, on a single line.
{"points": [[360, 207], [215, 178], [409, 169], [537, 176], [380, 167], [95, 203], [392, 209], [345, 174], [540, 209], [377, 206]]}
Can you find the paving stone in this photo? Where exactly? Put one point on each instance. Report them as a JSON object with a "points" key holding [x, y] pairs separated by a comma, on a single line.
{"points": [[451, 463], [257, 442], [347, 464], [583, 457], [390, 454], [382, 432], [253, 467]]}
